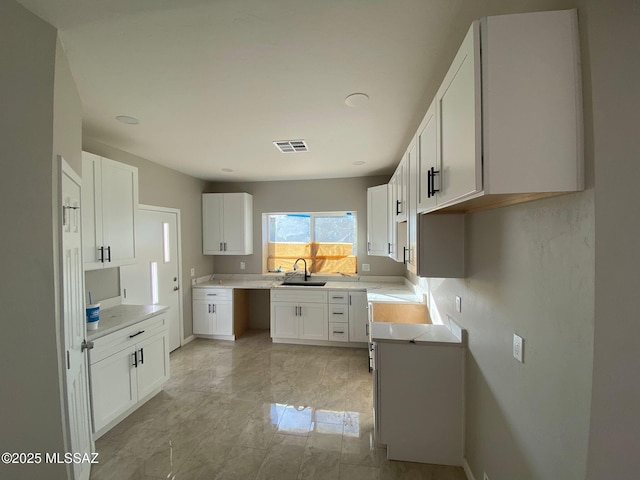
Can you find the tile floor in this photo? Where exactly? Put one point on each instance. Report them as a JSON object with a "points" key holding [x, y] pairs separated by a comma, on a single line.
{"points": [[256, 410]]}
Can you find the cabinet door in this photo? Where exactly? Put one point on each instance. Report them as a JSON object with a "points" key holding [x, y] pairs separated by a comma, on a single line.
{"points": [[391, 218], [400, 189], [119, 207], [412, 206], [428, 164], [202, 318], [377, 221], [459, 120], [212, 223], [235, 221], [91, 210], [223, 319], [153, 363], [113, 387], [358, 320], [314, 321], [284, 320]]}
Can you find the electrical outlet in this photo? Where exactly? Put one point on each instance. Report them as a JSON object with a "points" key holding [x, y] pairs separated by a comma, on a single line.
{"points": [[242, 265], [458, 304], [193, 272], [194, 282], [366, 267], [486, 477], [518, 348]]}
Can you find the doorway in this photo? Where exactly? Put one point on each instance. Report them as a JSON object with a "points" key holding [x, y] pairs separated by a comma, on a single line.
{"points": [[156, 276]]}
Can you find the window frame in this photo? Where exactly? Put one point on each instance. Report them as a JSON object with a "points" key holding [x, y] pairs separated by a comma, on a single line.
{"points": [[312, 215]]}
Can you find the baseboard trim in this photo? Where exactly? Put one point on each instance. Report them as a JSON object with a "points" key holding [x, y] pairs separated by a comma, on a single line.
{"points": [[467, 470], [188, 339]]}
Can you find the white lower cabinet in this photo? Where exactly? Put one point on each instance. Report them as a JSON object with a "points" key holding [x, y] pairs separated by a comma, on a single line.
{"points": [[213, 312], [358, 318], [418, 401], [318, 316], [126, 368]]}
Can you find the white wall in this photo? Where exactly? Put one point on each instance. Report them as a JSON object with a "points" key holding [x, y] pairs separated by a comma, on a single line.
{"points": [[337, 194], [31, 413]]}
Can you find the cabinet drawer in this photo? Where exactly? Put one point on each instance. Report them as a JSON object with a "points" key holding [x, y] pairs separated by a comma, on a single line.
{"points": [[338, 296], [302, 295], [128, 336], [338, 313], [213, 294], [338, 332]]}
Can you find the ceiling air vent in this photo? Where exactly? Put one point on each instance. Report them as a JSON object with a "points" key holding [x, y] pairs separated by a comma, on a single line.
{"points": [[291, 146]]}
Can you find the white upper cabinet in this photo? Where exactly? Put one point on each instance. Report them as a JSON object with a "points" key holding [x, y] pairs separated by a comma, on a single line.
{"points": [[227, 224], [377, 237], [459, 122], [428, 161], [411, 160], [505, 127], [109, 209]]}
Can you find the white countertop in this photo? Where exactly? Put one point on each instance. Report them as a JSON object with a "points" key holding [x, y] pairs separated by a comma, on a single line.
{"points": [[377, 291], [116, 318], [413, 332]]}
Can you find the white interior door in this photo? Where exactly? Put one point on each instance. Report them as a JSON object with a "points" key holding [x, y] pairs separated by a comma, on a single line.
{"points": [[155, 278], [73, 318]]}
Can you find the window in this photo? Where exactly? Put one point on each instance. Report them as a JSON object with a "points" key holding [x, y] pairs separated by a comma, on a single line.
{"points": [[327, 241]]}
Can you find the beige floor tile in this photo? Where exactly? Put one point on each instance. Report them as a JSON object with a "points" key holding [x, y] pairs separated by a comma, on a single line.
{"points": [[252, 410], [358, 472], [319, 465]]}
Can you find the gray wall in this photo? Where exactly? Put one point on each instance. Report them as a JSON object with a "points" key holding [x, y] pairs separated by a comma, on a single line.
{"points": [[341, 194], [614, 44], [164, 187], [30, 396]]}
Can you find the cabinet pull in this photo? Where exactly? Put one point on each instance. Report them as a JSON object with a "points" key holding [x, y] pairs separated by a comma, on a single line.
{"points": [[389, 249], [225, 246], [429, 177], [366, 327], [404, 255], [135, 359], [338, 332], [338, 313], [109, 252], [398, 202], [368, 246], [220, 246], [142, 356], [433, 173], [208, 308], [214, 308], [136, 334], [349, 299], [212, 294], [101, 259]]}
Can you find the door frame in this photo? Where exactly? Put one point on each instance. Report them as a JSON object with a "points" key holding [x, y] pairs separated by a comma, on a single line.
{"points": [[155, 208]]}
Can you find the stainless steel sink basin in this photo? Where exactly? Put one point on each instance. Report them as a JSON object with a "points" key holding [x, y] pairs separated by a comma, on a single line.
{"points": [[299, 283]]}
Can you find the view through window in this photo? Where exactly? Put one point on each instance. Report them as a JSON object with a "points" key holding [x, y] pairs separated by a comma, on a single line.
{"points": [[327, 241]]}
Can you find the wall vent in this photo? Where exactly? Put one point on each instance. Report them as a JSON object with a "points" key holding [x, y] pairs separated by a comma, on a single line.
{"points": [[291, 146]]}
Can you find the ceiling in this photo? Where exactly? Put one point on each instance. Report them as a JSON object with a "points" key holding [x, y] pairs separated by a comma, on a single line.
{"points": [[214, 82]]}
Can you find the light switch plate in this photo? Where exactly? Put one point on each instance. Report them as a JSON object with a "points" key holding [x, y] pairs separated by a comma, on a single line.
{"points": [[366, 267], [193, 272], [518, 348], [458, 304]]}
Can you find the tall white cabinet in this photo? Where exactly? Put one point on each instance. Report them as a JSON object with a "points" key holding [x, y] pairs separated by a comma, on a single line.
{"points": [[227, 224], [109, 209], [377, 237]]}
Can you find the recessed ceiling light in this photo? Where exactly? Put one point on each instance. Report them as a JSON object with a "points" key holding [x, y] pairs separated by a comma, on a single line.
{"points": [[359, 162], [227, 170], [356, 99], [127, 119]]}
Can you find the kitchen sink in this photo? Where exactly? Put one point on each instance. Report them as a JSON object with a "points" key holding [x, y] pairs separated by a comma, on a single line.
{"points": [[302, 283]]}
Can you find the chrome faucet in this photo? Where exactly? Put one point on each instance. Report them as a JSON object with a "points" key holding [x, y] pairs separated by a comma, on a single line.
{"points": [[295, 267]]}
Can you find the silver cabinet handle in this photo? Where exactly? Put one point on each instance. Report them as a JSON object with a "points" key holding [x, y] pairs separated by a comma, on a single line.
{"points": [[338, 313]]}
